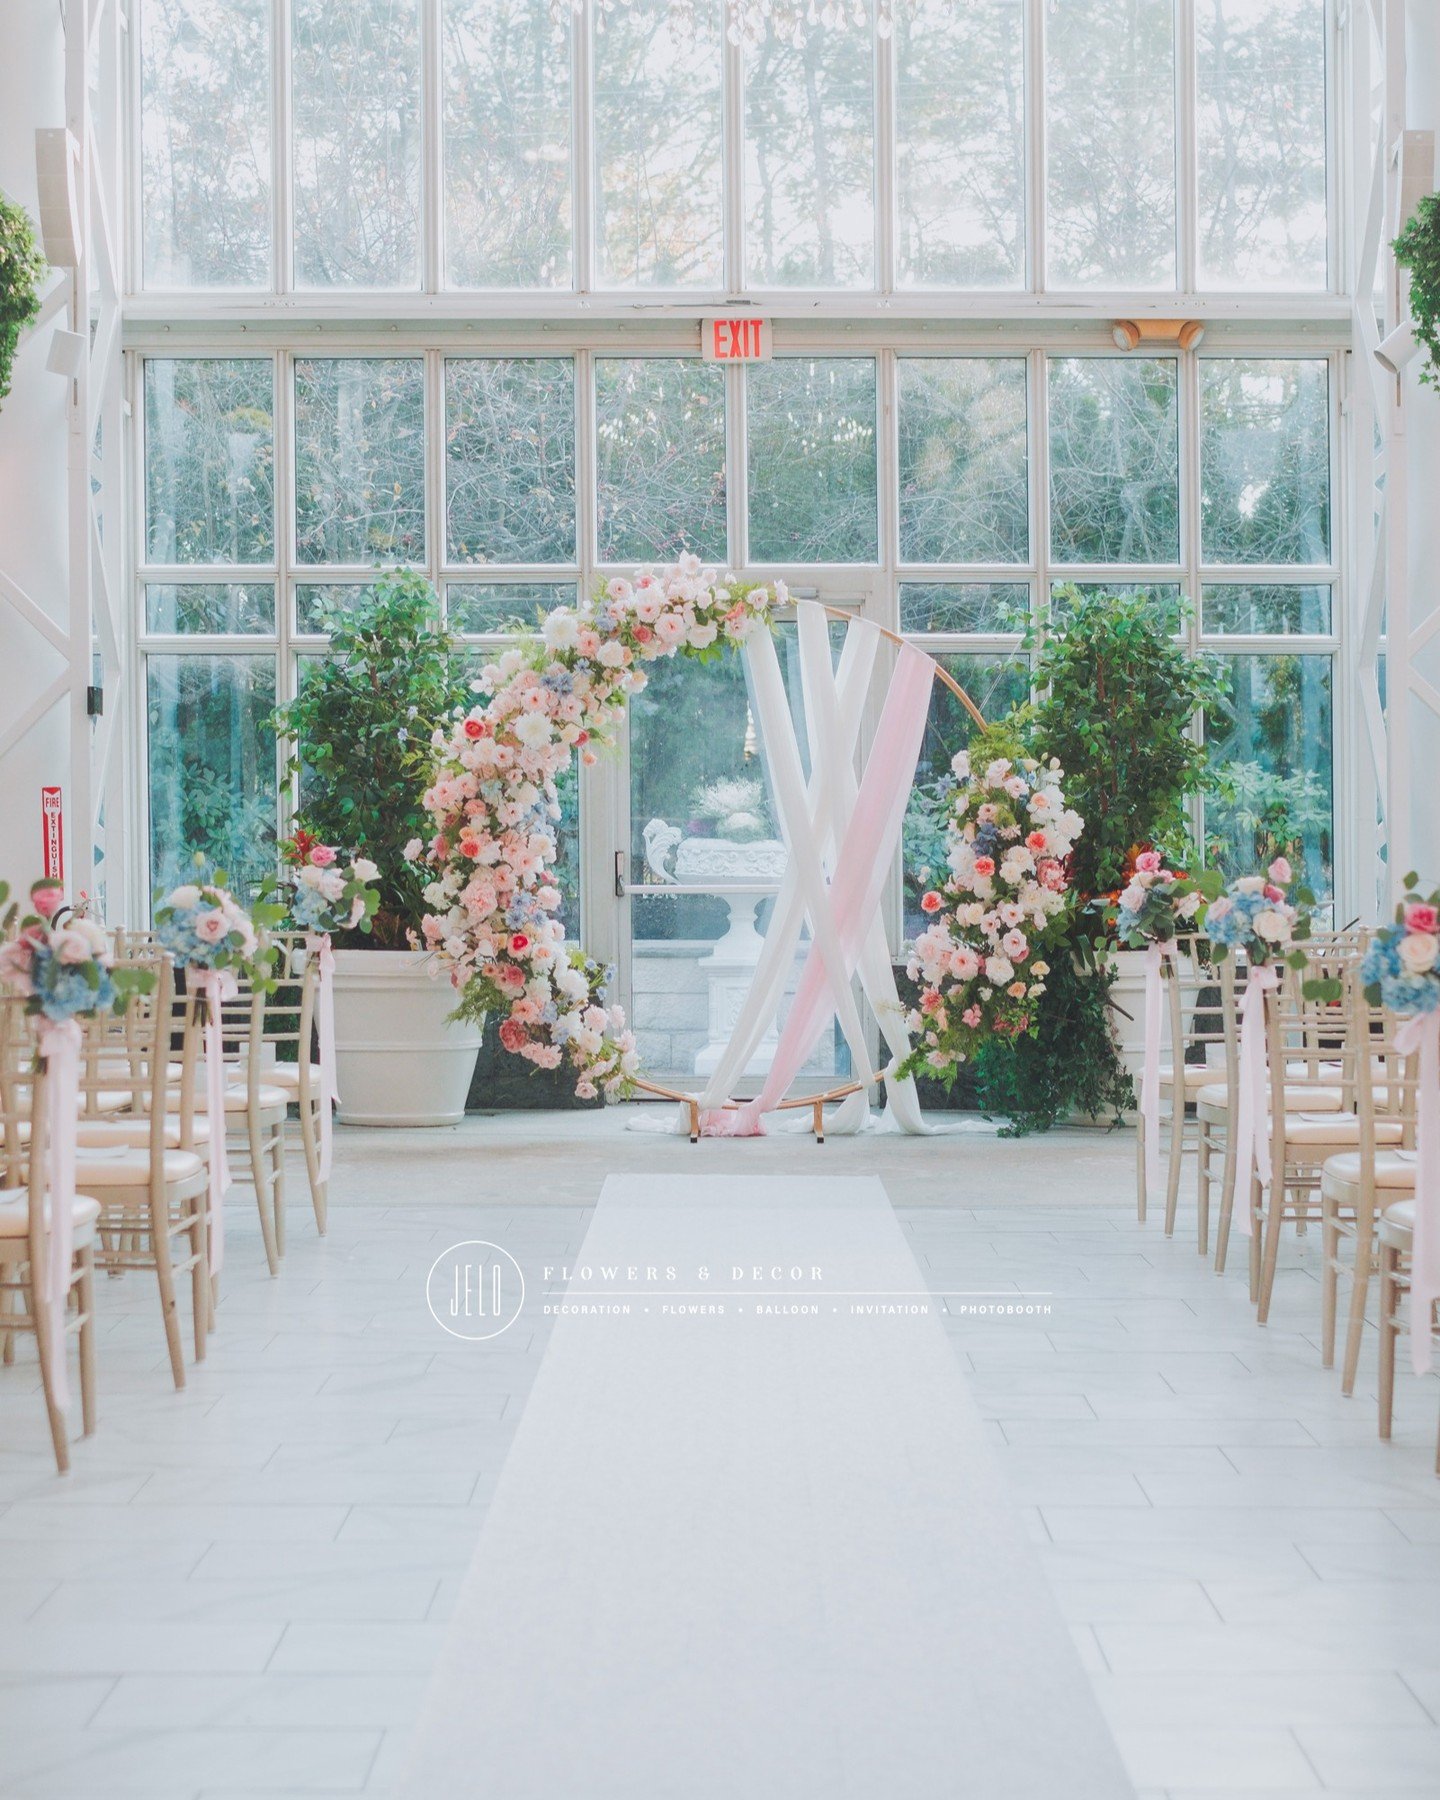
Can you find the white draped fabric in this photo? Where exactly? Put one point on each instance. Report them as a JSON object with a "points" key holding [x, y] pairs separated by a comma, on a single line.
{"points": [[814, 817]]}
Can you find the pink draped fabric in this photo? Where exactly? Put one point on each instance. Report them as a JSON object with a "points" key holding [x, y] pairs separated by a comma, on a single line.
{"points": [[862, 867], [1252, 1122], [60, 1041], [1423, 1034], [215, 986], [1150, 1073], [319, 947]]}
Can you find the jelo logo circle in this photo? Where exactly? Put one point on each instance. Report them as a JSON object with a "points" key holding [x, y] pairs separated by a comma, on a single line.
{"points": [[475, 1290]]}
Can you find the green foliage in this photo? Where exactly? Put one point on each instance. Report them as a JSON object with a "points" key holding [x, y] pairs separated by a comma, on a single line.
{"points": [[21, 269], [1253, 815], [1121, 696], [1418, 249], [358, 736], [1067, 1064]]}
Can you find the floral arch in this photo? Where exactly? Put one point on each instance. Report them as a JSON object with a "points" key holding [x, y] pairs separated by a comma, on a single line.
{"points": [[495, 924]]}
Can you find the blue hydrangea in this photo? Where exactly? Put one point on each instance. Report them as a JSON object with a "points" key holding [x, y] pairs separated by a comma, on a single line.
{"points": [[309, 908], [63, 990], [1410, 993], [1382, 958]]}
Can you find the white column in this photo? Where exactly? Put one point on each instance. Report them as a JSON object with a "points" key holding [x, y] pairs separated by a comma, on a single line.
{"points": [[34, 524], [1421, 451]]}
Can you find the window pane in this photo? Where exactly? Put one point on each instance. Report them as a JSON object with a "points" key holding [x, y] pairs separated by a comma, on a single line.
{"points": [[1114, 460], [659, 127], [660, 433], [210, 461], [960, 143], [1260, 75], [212, 767], [355, 101], [964, 487], [812, 460], [510, 460], [995, 684], [360, 460], [506, 68], [809, 154], [205, 142], [1110, 123], [983, 608], [495, 606], [1271, 769], [1166, 598], [1238, 610], [315, 602], [1265, 461], [232, 607]]}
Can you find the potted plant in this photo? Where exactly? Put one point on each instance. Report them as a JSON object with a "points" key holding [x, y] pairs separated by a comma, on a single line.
{"points": [[21, 267], [358, 740], [1121, 695], [1418, 249]]}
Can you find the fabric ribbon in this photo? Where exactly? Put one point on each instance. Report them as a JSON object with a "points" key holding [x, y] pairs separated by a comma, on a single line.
{"points": [[215, 986], [862, 867], [1252, 1136], [1150, 1072], [1422, 1033], [60, 1041], [318, 946]]}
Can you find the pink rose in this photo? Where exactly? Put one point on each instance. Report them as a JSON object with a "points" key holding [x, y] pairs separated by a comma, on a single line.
{"points": [[210, 927], [1052, 877], [1148, 862], [984, 865], [930, 902], [512, 1036], [47, 901], [1280, 872], [971, 1017], [1036, 840], [322, 856], [1421, 917]]}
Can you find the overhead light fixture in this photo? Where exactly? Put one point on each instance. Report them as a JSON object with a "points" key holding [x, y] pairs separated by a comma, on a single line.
{"points": [[1398, 347], [1129, 334]]}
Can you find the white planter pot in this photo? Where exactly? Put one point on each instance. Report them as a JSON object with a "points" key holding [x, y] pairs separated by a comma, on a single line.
{"points": [[1128, 1001], [398, 1062]]}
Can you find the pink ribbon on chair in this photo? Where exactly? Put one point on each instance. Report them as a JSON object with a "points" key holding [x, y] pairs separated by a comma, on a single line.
{"points": [[319, 948], [1252, 1136], [1150, 1072], [1422, 1033], [217, 986], [862, 867], [60, 1041]]}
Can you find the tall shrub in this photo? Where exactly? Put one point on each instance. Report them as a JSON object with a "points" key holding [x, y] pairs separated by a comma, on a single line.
{"points": [[358, 737], [21, 269]]}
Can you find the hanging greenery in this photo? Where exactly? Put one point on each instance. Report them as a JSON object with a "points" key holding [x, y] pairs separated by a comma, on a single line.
{"points": [[21, 269], [1418, 249]]}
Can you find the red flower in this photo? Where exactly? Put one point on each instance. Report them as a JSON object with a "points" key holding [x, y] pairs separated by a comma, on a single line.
{"points": [[476, 728], [984, 865], [931, 902], [519, 943], [1036, 840], [512, 1036]]}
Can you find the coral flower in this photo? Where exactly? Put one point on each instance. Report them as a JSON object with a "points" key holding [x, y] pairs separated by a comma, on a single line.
{"points": [[931, 902]]}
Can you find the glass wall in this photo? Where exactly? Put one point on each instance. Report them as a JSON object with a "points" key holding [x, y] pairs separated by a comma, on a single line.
{"points": [[833, 156]]}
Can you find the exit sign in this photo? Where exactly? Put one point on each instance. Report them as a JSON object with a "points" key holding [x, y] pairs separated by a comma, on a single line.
{"points": [[735, 340]]}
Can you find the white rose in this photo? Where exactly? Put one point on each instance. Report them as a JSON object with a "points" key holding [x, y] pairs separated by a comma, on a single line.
{"points": [[1418, 951], [560, 629], [702, 636], [1273, 926], [185, 897], [611, 654], [999, 969], [365, 870], [571, 983], [412, 851], [533, 729]]}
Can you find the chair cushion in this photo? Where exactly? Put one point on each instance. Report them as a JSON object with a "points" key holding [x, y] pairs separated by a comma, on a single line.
{"points": [[1311, 1099], [1393, 1169], [1197, 1075], [287, 1075], [15, 1212], [1400, 1215], [1336, 1128], [124, 1134], [105, 1168]]}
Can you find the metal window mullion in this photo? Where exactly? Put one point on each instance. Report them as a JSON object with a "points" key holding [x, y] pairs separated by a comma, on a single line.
{"points": [[436, 522], [733, 253], [287, 673], [1035, 146], [737, 474], [1038, 438], [1345, 715], [1187, 149], [584, 182], [138, 885], [1188, 426], [885, 606], [432, 174], [282, 261], [131, 178], [883, 162]]}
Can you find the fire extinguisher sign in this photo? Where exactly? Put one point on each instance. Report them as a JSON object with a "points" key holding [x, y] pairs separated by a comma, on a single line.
{"points": [[52, 820]]}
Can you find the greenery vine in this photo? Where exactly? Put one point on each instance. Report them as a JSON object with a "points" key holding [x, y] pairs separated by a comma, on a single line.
{"points": [[1418, 249], [22, 268]]}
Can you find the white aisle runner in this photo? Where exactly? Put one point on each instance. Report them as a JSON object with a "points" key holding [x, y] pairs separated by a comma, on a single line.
{"points": [[756, 1555]]}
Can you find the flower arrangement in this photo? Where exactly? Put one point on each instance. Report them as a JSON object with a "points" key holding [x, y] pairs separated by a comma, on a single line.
{"points": [[1157, 903], [59, 962], [1006, 900], [1399, 968], [732, 808], [491, 806], [322, 891], [203, 926], [1263, 916]]}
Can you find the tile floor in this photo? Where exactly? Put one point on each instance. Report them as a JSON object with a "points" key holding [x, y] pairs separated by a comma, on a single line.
{"points": [[239, 1590]]}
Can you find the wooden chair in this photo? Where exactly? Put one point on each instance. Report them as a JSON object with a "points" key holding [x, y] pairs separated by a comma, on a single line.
{"points": [[287, 1030], [25, 1228], [1196, 1035], [1357, 1185], [1396, 1237], [255, 1112]]}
